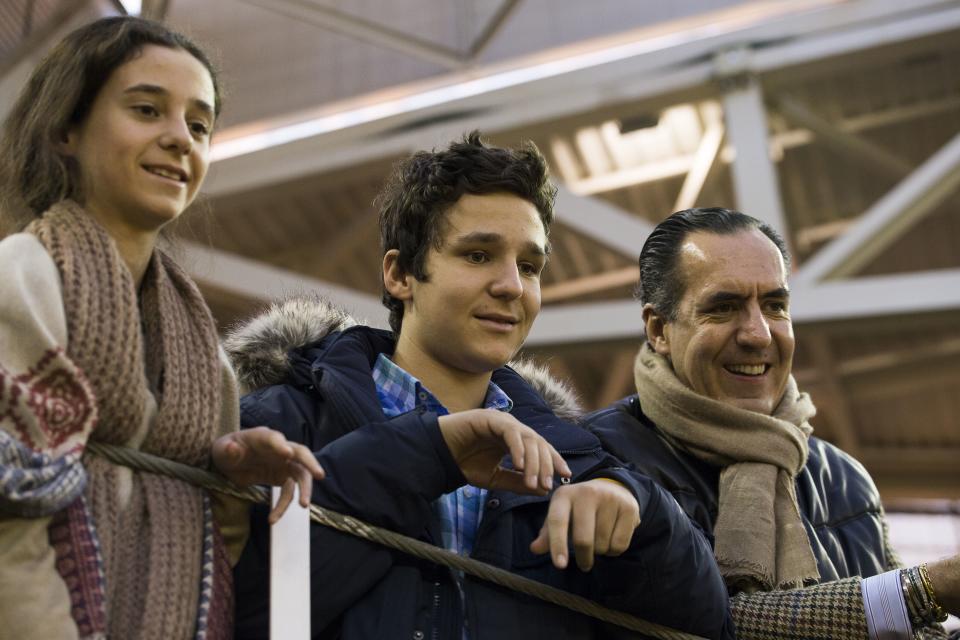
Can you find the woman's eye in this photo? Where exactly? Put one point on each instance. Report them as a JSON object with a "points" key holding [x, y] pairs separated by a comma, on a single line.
{"points": [[199, 129], [146, 109]]}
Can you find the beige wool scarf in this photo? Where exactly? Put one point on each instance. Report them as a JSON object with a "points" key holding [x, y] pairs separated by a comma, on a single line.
{"points": [[761, 542], [150, 528]]}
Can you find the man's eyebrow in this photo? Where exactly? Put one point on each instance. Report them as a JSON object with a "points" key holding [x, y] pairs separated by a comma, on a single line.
{"points": [[160, 91], [779, 292], [724, 296], [489, 237]]}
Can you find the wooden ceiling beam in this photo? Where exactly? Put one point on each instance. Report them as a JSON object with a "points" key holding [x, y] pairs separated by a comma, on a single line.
{"points": [[704, 160], [839, 413], [364, 30], [618, 381], [589, 284]]}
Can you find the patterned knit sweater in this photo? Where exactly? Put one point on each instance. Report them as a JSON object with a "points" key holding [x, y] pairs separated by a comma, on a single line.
{"points": [[35, 601]]}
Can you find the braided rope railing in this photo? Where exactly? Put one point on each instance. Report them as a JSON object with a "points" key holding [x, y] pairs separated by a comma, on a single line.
{"points": [[346, 524]]}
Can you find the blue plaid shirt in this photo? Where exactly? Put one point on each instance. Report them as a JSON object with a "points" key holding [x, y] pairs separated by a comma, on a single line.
{"points": [[459, 512]]}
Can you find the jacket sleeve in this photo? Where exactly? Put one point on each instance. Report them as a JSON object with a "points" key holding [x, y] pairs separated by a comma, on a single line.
{"points": [[832, 610], [34, 601], [668, 575], [386, 474]]}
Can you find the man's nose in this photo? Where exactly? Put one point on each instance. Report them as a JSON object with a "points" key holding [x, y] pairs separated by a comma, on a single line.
{"points": [[754, 330]]}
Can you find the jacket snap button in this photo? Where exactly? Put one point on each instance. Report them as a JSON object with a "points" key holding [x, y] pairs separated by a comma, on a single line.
{"points": [[493, 503], [418, 635]]}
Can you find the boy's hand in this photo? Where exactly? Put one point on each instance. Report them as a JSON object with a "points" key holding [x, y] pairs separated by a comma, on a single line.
{"points": [[264, 456], [478, 440], [604, 515]]}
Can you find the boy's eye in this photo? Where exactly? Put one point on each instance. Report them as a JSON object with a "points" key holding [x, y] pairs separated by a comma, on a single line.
{"points": [[529, 269], [477, 257]]}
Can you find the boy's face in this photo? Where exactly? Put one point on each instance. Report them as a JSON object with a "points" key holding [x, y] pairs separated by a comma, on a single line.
{"points": [[482, 290]]}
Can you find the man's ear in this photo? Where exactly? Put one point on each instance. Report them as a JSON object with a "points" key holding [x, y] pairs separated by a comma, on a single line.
{"points": [[395, 280], [656, 327]]}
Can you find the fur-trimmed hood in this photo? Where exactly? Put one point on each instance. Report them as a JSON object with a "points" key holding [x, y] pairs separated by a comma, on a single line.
{"points": [[259, 349]]}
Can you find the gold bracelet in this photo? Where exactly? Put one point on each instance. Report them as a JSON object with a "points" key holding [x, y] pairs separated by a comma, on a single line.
{"points": [[936, 612]]}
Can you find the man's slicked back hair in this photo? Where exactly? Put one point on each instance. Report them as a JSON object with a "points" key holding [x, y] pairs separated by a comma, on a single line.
{"points": [[660, 282], [416, 198]]}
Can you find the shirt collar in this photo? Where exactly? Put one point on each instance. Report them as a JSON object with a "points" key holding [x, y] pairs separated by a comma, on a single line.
{"points": [[400, 392]]}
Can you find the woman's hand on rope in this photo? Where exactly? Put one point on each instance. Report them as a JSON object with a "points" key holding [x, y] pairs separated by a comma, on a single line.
{"points": [[599, 516], [479, 439], [263, 456]]}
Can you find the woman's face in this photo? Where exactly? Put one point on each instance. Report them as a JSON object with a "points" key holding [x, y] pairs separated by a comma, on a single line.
{"points": [[144, 148]]}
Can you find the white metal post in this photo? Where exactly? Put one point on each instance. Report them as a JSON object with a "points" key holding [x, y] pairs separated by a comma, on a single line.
{"points": [[290, 572], [755, 180]]}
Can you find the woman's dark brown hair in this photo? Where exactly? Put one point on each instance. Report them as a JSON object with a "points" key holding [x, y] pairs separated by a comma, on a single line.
{"points": [[58, 96]]}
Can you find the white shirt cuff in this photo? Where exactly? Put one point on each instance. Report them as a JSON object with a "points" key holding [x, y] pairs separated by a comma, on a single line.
{"points": [[887, 617]]}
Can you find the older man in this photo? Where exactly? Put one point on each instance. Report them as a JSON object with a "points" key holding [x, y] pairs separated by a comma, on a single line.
{"points": [[799, 531]]}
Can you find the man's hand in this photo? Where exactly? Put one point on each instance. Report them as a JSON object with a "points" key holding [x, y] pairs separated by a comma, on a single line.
{"points": [[264, 456], [604, 515], [478, 439], [945, 578]]}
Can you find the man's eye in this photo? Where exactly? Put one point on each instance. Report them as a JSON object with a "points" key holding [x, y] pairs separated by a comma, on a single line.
{"points": [[724, 307], [777, 306]]}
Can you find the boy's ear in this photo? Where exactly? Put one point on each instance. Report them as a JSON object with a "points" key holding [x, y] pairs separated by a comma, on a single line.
{"points": [[395, 280], [656, 327]]}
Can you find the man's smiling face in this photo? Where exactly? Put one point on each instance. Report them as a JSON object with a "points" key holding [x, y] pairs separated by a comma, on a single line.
{"points": [[732, 339]]}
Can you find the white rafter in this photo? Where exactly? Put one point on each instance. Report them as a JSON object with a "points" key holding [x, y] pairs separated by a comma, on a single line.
{"points": [[891, 216], [755, 181], [602, 221], [829, 301], [260, 281], [633, 66]]}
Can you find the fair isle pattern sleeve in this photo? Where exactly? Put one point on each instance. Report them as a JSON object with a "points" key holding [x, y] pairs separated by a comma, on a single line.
{"points": [[829, 611], [46, 411]]}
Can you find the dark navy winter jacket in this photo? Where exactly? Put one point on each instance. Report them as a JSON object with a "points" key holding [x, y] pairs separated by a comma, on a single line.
{"points": [[839, 503], [388, 472]]}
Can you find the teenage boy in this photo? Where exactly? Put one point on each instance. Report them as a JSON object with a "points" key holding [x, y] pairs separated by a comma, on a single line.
{"points": [[425, 431]]}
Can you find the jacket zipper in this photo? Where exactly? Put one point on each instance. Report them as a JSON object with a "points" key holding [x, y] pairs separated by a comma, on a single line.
{"points": [[435, 632]]}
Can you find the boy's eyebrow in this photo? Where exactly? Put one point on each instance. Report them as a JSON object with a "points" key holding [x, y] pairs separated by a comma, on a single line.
{"points": [[489, 237], [160, 91]]}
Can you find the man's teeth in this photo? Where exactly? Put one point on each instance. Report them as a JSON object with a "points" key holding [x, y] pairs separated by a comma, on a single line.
{"points": [[173, 175], [747, 369]]}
